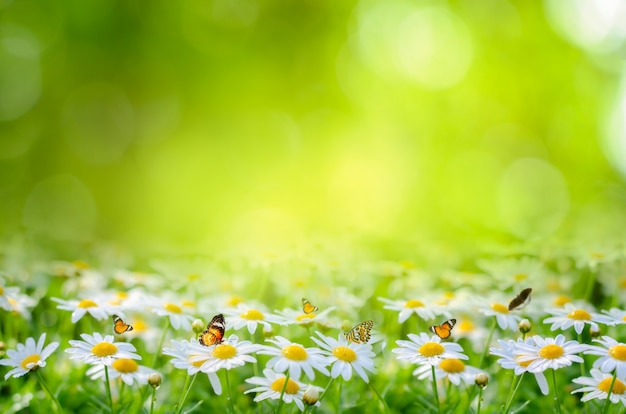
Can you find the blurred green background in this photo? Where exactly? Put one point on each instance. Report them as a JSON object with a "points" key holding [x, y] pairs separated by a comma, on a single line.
{"points": [[200, 124]]}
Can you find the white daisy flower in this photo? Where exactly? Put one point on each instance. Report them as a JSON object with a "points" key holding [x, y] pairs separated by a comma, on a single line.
{"points": [[453, 369], [100, 350], [510, 355], [429, 350], [570, 315], [6, 293], [28, 357], [547, 353], [612, 355], [22, 305], [345, 356], [124, 368], [295, 358], [506, 320], [598, 386], [95, 306], [229, 354], [174, 311], [182, 359], [615, 316], [414, 306], [251, 317], [271, 386]]}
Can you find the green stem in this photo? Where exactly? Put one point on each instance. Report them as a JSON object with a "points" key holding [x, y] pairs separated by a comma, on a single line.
{"points": [[282, 394], [57, 405], [108, 388], [339, 387], [517, 380], [491, 332], [188, 385], [382, 400], [556, 394], [324, 393], [153, 399], [480, 399], [608, 394], [228, 396], [591, 280], [435, 392]]}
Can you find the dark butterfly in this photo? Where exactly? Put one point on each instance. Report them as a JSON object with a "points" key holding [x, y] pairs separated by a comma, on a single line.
{"points": [[520, 300]]}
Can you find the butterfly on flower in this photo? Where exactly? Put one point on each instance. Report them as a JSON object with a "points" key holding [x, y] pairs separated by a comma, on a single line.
{"points": [[444, 330], [119, 326], [214, 332], [361, 333], [520, 300], [307, 307]]}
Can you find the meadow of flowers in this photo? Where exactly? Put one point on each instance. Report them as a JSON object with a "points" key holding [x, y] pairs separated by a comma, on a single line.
{"points": [[448, 333]]}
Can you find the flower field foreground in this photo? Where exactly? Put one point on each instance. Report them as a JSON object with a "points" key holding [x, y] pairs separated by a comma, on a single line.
{"points": [[528, 331]]}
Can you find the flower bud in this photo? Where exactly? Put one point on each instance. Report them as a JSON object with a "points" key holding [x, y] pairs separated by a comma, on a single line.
{"points": [[311, 395], [524, 326], [198, 326], [481, 380], [154, 380]]}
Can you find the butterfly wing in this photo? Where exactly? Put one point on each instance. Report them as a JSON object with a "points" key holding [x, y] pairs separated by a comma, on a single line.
{"points": [[119, 326], [361, 333], [521, 300], [307, 307], [214, 332], [444, 330]]}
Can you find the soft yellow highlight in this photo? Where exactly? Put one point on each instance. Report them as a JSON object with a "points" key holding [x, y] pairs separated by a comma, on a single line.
{"points": [[345, 354], [224, 351], [452, 365], [500, 308], [172, 307], [295, 353], [300, 318], [104, 349], [87, 303], [431, 349], [31, 359], [291, 388], [579, 315], [253, 315], [414, 303], [552, 351], [562, 300], [125, 365]]}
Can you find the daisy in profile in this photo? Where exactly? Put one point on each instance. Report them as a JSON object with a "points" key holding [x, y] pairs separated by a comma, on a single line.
{"points": [[182, 356], [28, 357], [294, 358], [98, 350], [570, 315], [406, 308], [612, 355], [126, 369], [271, 386], [598, 385], [346, 356], [453, 369], [251, 317], [94, 306], [424, 349]]}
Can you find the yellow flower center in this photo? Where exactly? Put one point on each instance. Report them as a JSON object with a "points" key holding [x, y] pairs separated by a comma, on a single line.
{"points": [[299, 318], [1, 290], [295, 352], [500, 308], [80, 264], [291, 388], [344, 353], [465, 326], [224, 351], [522, 363], [125, 365], [618, 386], [189, 303], [253, 315], [579, 315], [172, 307], [87, 303], [121, 295], [618, 352], [452, 365], [196, 364], [234, 300], [520, 277], [139, 325], [414, 303], [32, 359], [562, 300], [430, 349], [193, 277], [104, 349], [552, 351]]}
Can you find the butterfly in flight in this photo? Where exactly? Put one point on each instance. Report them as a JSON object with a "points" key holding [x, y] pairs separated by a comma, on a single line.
{"points": [[119, 326], [444, 330], [307, 307], [520, 300], [214, 332], [361, 333]]}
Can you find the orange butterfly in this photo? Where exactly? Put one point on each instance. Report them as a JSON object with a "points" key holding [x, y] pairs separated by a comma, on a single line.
{"points": [[119, 326], [444, 330], [307, 307], [520, 300], [214, 332]]}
